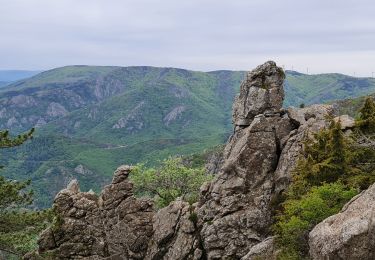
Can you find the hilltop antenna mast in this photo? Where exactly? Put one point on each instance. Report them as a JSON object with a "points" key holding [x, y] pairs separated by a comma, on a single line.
{"points": [[307, 71]]}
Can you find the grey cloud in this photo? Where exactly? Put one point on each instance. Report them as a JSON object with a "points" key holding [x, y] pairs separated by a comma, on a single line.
{"points": [[195, 34]]}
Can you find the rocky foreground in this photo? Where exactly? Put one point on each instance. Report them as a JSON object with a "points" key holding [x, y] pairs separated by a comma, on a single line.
{"points": [[233, 216]]}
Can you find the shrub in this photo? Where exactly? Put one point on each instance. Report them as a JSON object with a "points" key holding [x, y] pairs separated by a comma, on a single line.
{"points": [[171, 180], [301, 215]]}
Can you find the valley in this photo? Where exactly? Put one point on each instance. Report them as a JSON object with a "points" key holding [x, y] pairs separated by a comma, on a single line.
{"points": [[89, 120]]}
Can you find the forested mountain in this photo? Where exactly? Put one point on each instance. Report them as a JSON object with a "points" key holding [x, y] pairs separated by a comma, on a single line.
{"points": [[91, 119]]}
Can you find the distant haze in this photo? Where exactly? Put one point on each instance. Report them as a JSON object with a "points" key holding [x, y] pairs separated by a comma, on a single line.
{"points": [[316, 35], [13, 75]]}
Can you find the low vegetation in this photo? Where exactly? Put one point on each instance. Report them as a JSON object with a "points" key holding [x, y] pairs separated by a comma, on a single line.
{"points": [[169, 181], [333, 168]]}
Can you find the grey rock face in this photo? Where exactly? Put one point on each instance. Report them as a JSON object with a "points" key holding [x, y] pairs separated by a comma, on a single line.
{"points": [[349, 234], [174, 114], [133, 121], [309, 120], [127, 221], [175, 233], [22, 101], [96, 227], [214, 162], [264, 250], [78, 232], [56, 110], [235, 208], [260, 92]]}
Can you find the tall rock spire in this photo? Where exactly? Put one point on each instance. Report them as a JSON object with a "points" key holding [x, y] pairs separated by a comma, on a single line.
{"points": [[261, 92]]}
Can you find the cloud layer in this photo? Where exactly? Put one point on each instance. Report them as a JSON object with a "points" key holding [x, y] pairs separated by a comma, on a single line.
{"points": [[324, 36]]}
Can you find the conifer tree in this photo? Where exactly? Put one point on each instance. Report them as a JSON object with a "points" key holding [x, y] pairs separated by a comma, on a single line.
{"points": [[337, 157], [18, 226], [366, 120]]}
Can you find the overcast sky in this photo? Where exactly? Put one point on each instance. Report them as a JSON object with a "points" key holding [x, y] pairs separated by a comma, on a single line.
{"points": [[321, 35]]}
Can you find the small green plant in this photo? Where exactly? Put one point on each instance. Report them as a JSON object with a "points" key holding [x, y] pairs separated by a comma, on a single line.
{"points": [[193, 217]]}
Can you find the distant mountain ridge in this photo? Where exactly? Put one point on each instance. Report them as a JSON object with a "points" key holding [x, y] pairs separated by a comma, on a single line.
{"points": [[90, 119], [9, 76]]}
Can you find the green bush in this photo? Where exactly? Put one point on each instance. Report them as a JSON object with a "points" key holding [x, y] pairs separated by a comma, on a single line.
{"points": [[171, 180], [301, 215], [332, 168]]}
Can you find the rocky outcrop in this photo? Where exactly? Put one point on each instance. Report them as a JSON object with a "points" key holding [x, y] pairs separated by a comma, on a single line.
{"points": [[173, 115], [235, 209], [233, 216], [348, 235], [261, 92], [114, 224], [307, 120], [133, 121], [56, 110]]}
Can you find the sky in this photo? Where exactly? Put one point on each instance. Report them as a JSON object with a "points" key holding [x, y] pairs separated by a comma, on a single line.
{"points": [[314, 36]]}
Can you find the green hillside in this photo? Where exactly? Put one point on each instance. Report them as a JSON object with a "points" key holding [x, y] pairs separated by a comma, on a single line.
{"points": [[92, 119], [322, 88]]}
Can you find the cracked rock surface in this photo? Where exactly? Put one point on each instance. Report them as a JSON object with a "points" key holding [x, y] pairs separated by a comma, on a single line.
{"points": [[114, 224]]}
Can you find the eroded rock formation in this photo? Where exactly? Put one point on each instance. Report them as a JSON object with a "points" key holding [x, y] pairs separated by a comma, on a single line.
{"points": [[114, 224], [233, 216]]}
